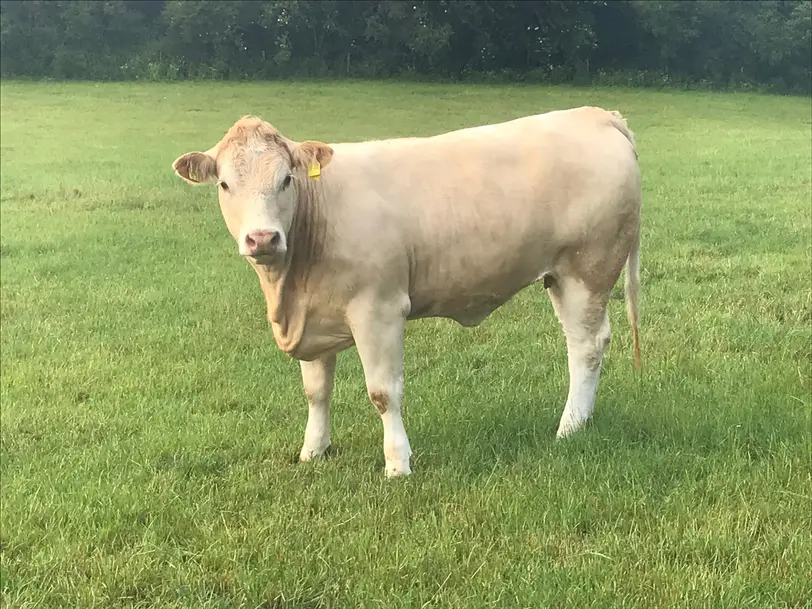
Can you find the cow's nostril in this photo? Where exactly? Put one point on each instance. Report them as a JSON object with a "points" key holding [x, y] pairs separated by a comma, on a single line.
{"points": [[274, 239], [250, 242]]}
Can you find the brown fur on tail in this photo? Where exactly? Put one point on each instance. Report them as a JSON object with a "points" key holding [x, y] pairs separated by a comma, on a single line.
{"points": [[632, 283]]}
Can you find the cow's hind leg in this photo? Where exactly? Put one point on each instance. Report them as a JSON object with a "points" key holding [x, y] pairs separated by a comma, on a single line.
{"points": [[318, 378], [582, 313]]}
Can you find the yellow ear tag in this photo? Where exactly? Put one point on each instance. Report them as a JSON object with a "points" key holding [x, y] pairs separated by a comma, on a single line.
{"points": [[314, 171]]}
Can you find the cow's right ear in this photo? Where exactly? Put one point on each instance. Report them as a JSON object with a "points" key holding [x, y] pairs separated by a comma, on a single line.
{"points": [[196, 168]]}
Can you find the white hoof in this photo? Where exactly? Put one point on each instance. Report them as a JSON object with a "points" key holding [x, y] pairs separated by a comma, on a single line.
{"points": [[566, 430], [312, 454], [398, 468]]}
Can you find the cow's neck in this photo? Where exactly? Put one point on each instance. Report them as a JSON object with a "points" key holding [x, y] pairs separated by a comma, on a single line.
{"points": [[283, 286], [283, 314]]}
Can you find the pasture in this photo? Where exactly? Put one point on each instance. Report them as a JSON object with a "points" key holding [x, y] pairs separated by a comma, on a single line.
{"points": [[150, 425]]}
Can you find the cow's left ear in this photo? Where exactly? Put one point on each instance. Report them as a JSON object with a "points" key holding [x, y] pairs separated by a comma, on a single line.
{"points": [[196, 168], [308, 152]]}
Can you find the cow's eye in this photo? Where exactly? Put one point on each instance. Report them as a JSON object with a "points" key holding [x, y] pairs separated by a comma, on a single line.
{"points": [[224, 186], [286, 182]]}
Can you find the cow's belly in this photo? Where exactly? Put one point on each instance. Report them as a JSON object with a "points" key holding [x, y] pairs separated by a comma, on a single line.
{"points": [[470, 265], [471, 302]]}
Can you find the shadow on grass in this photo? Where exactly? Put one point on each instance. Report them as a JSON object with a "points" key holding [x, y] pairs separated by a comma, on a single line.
{"points": [[483, 437], [497, 436]]}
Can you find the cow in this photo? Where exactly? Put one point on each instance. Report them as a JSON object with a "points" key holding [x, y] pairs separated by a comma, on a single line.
{"points": [[352, 240]]}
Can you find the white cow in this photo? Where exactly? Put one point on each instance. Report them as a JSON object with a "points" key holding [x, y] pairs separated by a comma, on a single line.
{"points": [[351, 240]]}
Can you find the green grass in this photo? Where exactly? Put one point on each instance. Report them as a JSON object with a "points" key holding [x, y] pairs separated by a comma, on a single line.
{"points": [[149, 423]]}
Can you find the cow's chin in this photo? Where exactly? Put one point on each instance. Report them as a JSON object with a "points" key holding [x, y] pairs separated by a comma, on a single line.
{"points": [[272, 260]]}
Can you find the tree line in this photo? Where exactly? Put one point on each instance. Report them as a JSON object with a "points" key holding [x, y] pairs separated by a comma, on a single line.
{"points": [[714, 44]]}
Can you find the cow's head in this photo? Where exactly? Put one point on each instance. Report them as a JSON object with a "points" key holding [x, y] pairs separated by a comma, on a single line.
{"points": [[258, 174]]}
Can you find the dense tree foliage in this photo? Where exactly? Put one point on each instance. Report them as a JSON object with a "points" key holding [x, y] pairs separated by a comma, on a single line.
{"points": [[721, 44]]}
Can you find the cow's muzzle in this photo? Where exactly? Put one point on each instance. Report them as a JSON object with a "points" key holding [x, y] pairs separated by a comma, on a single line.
{"points": [[263, 244]]}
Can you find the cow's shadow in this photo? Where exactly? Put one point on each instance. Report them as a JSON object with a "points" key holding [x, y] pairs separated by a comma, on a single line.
{"points": [[475, 445]]}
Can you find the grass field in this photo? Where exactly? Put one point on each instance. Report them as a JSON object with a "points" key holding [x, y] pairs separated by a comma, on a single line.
{"points": [[150, 425]]}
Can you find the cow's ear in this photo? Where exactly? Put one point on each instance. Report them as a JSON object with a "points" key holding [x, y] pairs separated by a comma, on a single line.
{"points": [[196, 168], [311, 152]]}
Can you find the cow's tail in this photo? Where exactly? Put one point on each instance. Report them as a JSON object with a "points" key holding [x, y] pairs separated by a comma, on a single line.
{"points": [[619, 123], [632, 281], [632, 294]]}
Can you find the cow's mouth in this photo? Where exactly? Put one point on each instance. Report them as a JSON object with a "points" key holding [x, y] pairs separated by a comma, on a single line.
{"points": [[268, 259]]}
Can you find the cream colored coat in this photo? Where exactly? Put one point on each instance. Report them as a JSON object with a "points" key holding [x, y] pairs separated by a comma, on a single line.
{"points": [[449, 226]]}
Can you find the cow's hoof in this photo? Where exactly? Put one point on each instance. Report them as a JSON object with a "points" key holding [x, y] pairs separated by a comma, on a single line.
{"points": [[398, 468], [309, 454], [565, 431]]}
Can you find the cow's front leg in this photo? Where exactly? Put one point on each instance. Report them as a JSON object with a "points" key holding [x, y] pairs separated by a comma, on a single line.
{"points": [[379, 339], [318, 379]]}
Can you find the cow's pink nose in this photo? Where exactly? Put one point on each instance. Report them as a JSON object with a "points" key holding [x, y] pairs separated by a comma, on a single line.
{"points": [[261, 242]]}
